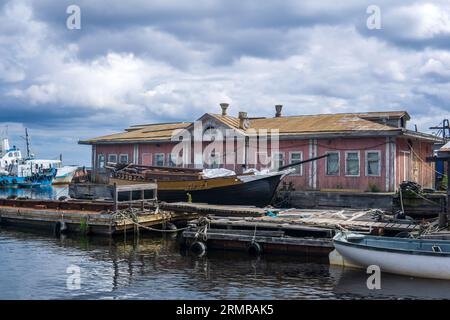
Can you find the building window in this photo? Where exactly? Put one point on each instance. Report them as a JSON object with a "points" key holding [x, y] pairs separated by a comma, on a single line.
{"points": [[333, 164], [123, 158], [277, 160], [373, 163], [213, 160], [171, 159], [101, 161], [352, 163], [159, 160], [296, 156], [112, 158]]}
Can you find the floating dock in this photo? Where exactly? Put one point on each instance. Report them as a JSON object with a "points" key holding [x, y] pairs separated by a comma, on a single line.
{"points": [[291, 232], [304, 232], [93, 217]]}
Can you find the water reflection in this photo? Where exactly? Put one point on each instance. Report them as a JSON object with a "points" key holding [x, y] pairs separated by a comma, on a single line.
{"points": [[353, 281], [43, 192], [33, 266]]}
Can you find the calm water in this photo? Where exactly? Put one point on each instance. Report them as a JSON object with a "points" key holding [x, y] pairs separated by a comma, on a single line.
{"points": [[34, 266]]}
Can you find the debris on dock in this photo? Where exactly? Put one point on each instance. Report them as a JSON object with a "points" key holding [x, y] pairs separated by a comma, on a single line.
{"points": [[291, 231]]}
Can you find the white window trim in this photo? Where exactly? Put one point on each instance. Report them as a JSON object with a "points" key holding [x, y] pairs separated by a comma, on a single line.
{"points": [[359, 163], [112, 154], [301, 159], [155, 155], [123, 154], [98, 160], [339, 164], [170, 159], [367, 163], [272, 158]]}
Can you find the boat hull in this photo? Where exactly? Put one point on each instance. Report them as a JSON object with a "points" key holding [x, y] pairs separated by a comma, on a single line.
{"points": [[65, 178], [402, 262], [256, 191]]}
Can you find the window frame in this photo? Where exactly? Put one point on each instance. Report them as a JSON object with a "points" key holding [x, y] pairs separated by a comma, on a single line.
{"points": [[155, 162], [124, 154], [112, 154], [272, 158], [98, 161], [301, 159], [366, 163], [169, 157], [358, 152], [339, 164]]}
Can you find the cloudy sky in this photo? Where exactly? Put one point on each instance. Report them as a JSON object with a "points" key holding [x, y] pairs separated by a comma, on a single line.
{"points": [[144, 61]]}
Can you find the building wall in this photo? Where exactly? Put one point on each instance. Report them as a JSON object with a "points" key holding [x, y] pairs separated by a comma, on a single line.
{"points": [[314, 173], [411, 162], [397, 161]]}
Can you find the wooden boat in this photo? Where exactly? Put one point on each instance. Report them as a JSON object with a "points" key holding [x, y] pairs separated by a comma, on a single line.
{"points": [[409, 257], [189, 185], [251, 190]]}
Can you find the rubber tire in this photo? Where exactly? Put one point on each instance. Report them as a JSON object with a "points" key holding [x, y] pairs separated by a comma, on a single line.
{"points": [[254, 248], [59, 228], [198, 247]]}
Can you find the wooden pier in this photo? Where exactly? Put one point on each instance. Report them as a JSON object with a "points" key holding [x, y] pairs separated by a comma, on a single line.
{"points": [[305, 232], [291, 232]]}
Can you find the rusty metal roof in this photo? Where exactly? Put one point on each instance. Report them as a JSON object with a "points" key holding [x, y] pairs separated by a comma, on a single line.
{"points": [[149, 132], [352, 123], [385, 114], [445, 147], [343, 122]]}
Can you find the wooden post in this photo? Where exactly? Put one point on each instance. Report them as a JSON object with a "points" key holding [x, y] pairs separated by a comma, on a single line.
{"points": [[115, 197]]}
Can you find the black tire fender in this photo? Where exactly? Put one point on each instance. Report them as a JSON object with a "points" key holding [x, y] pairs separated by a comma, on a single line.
{"points": [[198, 247], [254, 248]]}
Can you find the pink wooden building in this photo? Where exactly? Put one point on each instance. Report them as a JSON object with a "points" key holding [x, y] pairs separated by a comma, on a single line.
{"points": [[367, 151]]}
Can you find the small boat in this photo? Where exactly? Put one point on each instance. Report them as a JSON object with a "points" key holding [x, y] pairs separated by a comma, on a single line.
{"points": [[19, 168], [65, 174], [404, 256]]}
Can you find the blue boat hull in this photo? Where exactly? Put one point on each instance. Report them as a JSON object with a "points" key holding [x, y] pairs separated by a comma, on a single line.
{"points": [[37, 180]]}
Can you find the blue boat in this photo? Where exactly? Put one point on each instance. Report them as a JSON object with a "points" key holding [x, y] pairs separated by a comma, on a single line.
{"points": [[43, 178]]}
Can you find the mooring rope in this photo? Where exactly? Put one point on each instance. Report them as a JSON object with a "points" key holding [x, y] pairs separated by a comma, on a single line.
{"points": [[203, 224]]}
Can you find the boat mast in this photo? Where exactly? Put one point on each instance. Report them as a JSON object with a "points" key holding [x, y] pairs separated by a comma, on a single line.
{"points": [[28, 142]]}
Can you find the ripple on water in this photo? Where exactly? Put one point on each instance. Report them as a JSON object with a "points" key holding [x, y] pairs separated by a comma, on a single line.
{"points": [[34, 266]]}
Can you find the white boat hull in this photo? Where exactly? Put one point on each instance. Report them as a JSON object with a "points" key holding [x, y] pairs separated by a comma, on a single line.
{"points": [[408, 264], [64, 175]]}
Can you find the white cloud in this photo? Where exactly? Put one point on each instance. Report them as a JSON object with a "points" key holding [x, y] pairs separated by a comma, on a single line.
{"points": [[419, 21], [148, 72]]}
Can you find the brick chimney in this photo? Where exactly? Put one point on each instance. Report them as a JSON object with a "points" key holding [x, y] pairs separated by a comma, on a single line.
{"points": [[224, 107], [278, 109], [243, 120]]}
